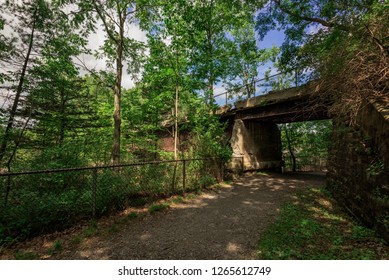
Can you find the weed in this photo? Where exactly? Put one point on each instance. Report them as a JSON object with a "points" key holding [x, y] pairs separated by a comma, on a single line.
{"points": [[26, 255], [178, 200], [359, 232], [191, 196], [90, 230], [132, 215], [158, 207], [375, 168], [114, 228], [76, 240], [57, 247]]}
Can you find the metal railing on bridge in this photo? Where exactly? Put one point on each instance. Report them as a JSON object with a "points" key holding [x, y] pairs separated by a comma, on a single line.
{"points": [[260, 86]]}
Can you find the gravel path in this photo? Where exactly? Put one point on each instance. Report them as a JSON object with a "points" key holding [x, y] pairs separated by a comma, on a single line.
{"points": [[222, 225]]}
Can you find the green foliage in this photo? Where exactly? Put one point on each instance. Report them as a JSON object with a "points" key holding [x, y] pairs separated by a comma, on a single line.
{"points": [[57, 247], [158, 207], [178, 200], [308, 141], [26, 255], [322, 22], [90, 230], [132, 215], [245, 60], [376, 168]]}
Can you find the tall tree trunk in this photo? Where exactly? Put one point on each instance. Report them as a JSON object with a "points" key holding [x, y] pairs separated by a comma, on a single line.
{"points": [[62, 119], [246, 83], [176, 126], [290, 148], [19, 90], [17, 143], [176, 122], [118, 89], [210, 70]]}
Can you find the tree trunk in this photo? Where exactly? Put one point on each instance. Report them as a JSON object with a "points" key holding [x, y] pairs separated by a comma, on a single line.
{"points": [[176, 126], [12, 157], [176, 122], [117, 91], [210, 70], [246, 83], [19, 90], [62, 119], [290, 148]]}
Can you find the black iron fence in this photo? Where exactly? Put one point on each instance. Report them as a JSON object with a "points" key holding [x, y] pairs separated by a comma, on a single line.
{"points": [[41, 201]]}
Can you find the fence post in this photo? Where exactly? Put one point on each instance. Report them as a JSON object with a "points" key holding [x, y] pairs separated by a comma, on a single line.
{"points": [[242, 164], [183, 177], [94, 190], [221, 170], [8, 190]]}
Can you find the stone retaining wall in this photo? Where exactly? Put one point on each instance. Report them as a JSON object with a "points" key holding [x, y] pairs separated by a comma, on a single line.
{"points": [[358, 169]]}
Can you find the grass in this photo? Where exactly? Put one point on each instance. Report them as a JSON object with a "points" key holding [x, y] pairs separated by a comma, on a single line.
{"points": [[178, 200], [158, 207], [312, 226], [90, 230], [57, 247], [26, 255], [131, 215]]}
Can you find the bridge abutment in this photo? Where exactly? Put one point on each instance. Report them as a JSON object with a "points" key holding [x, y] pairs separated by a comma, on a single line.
{"points": [[259, 143]]}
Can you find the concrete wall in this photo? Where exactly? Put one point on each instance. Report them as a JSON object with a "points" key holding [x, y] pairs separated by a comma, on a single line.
{"points": [[259, 143], [358, 173]]}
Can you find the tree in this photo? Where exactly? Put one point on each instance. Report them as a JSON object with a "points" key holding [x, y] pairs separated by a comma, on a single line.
{"points": [[210, 21], [115, 16], [169, 58], [58, 99], [246, 59], [306, 142], [32, 23]]}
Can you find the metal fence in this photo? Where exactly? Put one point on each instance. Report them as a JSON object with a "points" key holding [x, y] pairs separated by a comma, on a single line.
{"points": [[305, 163], [41, 201], [261, 86]]}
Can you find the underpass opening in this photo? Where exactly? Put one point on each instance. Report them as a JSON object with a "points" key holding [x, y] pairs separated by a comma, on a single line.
{"points": [[305, 145]]}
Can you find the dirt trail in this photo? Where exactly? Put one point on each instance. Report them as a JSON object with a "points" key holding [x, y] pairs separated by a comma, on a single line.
{"points": [[225, 224]]}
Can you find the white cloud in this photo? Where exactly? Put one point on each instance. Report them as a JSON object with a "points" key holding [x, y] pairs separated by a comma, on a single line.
{"points": [[96, 40], [315, 28]]}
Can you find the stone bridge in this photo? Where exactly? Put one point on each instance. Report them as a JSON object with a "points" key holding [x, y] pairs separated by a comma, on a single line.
{"points": [[252, 123]]}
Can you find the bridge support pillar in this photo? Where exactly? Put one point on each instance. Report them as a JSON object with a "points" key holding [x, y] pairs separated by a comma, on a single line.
{"points": [[259, 143]]}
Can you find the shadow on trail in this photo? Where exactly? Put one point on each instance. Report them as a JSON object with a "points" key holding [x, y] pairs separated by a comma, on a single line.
{"points": [[222, 225]]}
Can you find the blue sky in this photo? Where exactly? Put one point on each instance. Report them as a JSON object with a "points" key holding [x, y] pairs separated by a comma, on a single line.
{"points": [[273, 38]]}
